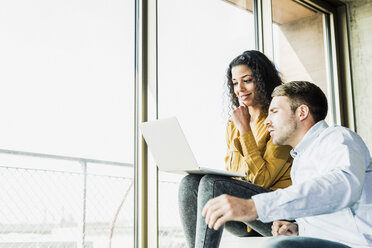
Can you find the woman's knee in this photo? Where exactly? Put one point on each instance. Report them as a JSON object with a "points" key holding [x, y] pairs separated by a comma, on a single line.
{"points": [[188, 187], [208, 181], [190, 182], [214, 185]]}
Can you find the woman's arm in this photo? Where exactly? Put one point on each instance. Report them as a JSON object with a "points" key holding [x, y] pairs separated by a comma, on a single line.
{"points": [[263, 167], [263, 170]]}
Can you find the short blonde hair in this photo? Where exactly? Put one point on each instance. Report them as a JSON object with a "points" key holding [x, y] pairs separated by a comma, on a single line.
{"points": [[303, 92]]}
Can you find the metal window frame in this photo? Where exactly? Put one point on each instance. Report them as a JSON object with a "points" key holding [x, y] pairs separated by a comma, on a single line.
{"points": [[145, 108], [263, 27], [344, 66]]}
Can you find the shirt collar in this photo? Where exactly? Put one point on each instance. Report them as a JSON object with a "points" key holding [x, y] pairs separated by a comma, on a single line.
{"points": [[309, 137]]}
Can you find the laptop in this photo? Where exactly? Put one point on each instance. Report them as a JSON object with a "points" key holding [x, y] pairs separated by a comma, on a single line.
{"points": [[171, 151]]}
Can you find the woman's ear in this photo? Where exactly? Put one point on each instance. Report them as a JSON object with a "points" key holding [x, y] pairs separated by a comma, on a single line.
{"points": [[303, 112]]}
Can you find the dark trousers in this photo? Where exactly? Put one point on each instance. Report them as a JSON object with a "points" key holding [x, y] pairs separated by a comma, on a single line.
{"points": [[196, 190]]}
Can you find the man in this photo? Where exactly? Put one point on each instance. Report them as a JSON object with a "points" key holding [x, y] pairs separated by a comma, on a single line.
{"points": [[331, 195]]}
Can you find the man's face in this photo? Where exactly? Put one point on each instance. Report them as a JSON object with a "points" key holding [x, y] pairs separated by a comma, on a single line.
{"points": [[281, 121]]}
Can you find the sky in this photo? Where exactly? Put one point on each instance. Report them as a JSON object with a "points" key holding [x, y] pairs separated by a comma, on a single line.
{"points": [[66, 73]]}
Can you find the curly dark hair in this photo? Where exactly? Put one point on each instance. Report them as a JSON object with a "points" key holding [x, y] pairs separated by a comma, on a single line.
{"points": [[265, 77]]}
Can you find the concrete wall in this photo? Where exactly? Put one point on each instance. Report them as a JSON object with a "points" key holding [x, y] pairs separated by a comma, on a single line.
{"points": [[361, 59], [301, 53], [301, 49]]}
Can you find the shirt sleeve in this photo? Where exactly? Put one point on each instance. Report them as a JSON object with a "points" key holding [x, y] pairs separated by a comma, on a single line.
{"points": [[338, 186], [264, 169]]}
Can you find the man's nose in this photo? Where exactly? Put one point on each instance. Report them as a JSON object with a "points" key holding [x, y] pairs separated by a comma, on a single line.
{"points": [[267, 121]]}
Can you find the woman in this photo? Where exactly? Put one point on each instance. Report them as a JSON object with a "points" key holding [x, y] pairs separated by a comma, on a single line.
{"points": [[251, 78]]}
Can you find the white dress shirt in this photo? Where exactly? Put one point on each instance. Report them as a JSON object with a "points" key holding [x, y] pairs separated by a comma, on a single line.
{"points": [[331, 194]]}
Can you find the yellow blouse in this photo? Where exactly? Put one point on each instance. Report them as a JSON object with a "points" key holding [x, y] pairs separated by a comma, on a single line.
{"points": [[254, 154]]}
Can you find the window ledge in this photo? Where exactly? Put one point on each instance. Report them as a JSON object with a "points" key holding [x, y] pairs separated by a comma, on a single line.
{"points": [[229, 241]]}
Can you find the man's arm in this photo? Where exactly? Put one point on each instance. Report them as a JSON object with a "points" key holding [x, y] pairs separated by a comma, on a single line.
{"points": [[325, 194], [340, 185], [337, 183], [225, 208]]}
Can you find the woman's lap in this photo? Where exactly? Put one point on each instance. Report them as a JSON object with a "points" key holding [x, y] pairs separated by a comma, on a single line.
{"points": [[197, 190], [228, 185], [225, 185]]}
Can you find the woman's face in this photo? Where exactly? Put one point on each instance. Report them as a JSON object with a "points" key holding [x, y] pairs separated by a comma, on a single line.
{"points": [[243, 84]]}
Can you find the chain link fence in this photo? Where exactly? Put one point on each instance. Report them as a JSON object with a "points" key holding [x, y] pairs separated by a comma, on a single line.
{"points": [[82, 208], [170, 230], [62, 202]]}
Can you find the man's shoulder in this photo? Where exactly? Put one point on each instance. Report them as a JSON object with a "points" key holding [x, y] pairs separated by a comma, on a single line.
{"points": [[337, 130], [339, 134]]}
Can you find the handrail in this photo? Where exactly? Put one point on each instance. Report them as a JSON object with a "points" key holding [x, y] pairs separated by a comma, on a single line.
{"points": [[60, 157], [84, 162]]}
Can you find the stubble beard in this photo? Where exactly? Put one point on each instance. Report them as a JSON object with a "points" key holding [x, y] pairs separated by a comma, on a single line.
{"points": [[286, 133]]}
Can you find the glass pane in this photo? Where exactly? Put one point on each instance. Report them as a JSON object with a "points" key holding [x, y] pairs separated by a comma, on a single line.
{"points": [[197, 41], [66, 73], [299, 45]]}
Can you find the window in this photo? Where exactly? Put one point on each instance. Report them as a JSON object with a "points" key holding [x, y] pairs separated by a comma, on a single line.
{"points": [[301, 48], [197, 41], [66, 72]]}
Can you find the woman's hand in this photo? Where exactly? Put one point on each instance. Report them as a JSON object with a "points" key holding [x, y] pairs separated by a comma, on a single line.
{"points": [[241, 118], [281, 227]]}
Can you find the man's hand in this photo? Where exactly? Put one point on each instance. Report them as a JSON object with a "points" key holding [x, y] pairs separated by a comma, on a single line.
{"points": [[225, 208], [281, 227], [241, 118]]}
